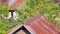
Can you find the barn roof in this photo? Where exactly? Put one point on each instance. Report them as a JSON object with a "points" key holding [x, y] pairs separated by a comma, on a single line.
{"points": [[39, 25]]}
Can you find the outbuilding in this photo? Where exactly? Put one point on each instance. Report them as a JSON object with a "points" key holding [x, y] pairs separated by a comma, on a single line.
{"points": [[35, 25]]}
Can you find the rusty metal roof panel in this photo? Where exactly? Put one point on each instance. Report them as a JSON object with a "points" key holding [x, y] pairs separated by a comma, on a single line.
{"points": [[41, 25]]}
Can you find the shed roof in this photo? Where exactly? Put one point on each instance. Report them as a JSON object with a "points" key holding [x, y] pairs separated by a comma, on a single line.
{"points": [[39, 25]]}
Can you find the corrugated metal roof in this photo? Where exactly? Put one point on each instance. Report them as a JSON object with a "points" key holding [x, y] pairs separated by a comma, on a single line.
{"points": [[40, 25]]}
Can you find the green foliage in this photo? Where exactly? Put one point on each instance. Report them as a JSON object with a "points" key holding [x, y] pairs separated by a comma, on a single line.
{"points": [[48, 9], [3, 27], [4, 8]]}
